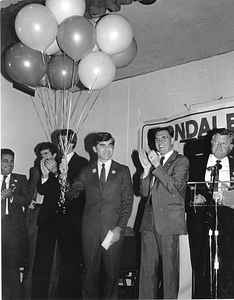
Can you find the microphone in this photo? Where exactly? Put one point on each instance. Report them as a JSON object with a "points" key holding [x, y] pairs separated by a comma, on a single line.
{"points": [[217, 166]]}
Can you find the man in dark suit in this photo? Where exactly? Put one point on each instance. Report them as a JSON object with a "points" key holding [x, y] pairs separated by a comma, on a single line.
{"points": [[164, 183], [58, 223], [32, 216], [72, 269], [108, 206], [201, 218], [15, 198]]}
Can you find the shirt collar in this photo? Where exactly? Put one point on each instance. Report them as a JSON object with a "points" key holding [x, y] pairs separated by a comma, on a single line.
{"points": [[107, 163], [167, 155], [69, 156], [212, 161], [7, 176]]}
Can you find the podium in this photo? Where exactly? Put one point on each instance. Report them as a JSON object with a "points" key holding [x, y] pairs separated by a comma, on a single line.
{"points": [[217, 194]]}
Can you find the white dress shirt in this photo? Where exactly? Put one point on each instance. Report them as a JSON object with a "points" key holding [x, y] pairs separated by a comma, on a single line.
{"points": [[107, 167], [7, 187], [224, 172]]}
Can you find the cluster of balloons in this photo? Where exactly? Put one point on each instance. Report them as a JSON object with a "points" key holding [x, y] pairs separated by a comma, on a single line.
{"points": [[59, 46]]}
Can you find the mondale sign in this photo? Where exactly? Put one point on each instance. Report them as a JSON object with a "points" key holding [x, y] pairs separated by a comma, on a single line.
{"points": [[193, 124]]}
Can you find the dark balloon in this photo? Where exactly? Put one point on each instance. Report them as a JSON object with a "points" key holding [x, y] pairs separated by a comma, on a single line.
{"points": [[25, 65], [63, 72], [126, 57], [76, 37]]}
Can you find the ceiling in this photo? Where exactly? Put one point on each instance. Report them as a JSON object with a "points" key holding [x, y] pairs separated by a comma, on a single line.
{"points": [[174, 32]]}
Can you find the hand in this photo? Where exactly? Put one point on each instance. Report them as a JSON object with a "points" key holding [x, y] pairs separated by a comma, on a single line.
{"points": [[199, 199], [7, 193], [217, 196], [154, 158], [144, 161], [116, 234], [51, 165], [44, 170], [32, 204], [63, 167]]}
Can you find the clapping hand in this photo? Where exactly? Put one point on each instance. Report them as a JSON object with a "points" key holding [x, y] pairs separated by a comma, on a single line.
{"points": [[147, 160], [7, 193]]}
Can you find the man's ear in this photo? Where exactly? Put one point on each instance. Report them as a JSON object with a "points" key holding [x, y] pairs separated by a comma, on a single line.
{"points": [[94, 149]]}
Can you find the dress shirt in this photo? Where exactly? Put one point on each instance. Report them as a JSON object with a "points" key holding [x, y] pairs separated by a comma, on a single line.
{"points": [[224, 173], [7, 187], [107, 167]]}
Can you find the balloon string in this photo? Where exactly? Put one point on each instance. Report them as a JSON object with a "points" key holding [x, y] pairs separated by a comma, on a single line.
{"points": [[43, 58], [75, 107], [46, 102], [71, 98], [45, 112], [98, 72], [90, 92], [83, 109], [50, 108], [69, 113], [95, 99], [42, 125]]}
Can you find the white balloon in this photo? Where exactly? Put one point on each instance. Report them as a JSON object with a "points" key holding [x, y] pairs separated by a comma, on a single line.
{"points": [[96, 70], [63, 9], [53, 48], [114, 34]]}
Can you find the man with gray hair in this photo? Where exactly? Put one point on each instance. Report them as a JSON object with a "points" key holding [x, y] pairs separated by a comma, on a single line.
{"points": [[201, 217]]}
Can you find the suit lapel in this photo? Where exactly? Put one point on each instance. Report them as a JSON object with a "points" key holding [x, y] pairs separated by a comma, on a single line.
{"points": [[231, 168], [94, 170], [13, 181], [170, 160], [112, 174]]}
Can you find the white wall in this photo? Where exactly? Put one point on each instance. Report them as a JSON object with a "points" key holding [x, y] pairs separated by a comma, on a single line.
{"points": [[120, 108]]}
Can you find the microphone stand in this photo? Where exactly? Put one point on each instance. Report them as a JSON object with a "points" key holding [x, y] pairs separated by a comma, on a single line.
{"points": [[215, 266]]}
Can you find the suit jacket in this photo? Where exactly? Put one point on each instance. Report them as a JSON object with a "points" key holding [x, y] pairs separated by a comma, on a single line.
{"points": [[34, 177], [49, 208], [22, 198], [168, 195], [110, 207], [74, 167], [51, 190]]}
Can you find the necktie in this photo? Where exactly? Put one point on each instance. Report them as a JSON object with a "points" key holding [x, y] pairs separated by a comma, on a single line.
{"points": [[102, 177], [4, 182], [216, 175], [5, 200], [161, 160]]}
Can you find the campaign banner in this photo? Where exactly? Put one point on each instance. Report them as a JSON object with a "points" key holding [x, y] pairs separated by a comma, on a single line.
{"points": [[191, 125]]}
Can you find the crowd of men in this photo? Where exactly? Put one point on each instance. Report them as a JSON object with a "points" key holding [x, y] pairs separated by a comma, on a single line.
{"points": [[68, 219]]}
